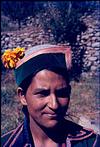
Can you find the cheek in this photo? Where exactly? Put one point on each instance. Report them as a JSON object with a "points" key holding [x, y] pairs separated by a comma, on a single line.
{"points": [[64, 102], [34, 105]]}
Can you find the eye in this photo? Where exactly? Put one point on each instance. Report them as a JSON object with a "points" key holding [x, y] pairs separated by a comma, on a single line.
{"points": [[42, 93], [63, 92]]}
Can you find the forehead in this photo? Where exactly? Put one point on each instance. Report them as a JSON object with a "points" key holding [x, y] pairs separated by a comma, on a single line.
{"points": [[47, 74], [48, 78]]}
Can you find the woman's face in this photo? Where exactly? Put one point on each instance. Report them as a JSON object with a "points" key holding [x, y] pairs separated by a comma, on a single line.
{"points": [[47, 98]]}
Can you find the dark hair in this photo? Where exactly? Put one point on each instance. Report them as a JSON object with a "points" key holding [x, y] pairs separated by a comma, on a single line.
{"points": [[61, 71], [25, 83]]}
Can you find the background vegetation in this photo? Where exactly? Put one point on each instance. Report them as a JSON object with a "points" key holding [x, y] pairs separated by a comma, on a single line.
{"points": [[62, 19]]}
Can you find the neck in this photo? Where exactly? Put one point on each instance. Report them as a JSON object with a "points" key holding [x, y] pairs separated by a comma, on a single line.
{"points": [[41, 134], [36, 130]]}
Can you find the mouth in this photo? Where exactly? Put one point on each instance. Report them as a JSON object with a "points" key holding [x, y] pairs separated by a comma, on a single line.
{"points": [[51, 115]]}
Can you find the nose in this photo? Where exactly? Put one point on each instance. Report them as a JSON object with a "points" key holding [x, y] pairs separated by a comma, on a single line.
{"points": [[53, 102]]}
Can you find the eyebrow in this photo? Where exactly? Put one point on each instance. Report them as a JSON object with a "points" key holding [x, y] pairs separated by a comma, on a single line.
{"points": [[61, 88], [39, 90], [45, 89]]}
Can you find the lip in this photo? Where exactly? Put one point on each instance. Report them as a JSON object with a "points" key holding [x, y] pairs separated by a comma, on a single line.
{"points": [[51, 115]]}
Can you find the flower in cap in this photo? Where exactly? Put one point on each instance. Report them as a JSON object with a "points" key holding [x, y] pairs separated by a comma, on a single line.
{"points": [[11, 57]]}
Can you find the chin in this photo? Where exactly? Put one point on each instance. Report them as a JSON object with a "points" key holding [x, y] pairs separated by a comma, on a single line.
{"points": [[51, 124]]}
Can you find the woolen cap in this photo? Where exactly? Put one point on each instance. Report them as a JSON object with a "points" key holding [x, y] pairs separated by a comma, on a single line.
{"points": [[41, 57]]}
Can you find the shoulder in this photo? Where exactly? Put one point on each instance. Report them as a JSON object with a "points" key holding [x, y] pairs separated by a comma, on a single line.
{"points": [[5, 137], [10, 137], [81, 136]]}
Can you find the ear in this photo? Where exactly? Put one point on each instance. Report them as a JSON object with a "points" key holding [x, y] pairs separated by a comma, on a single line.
{"points": [[21, 96]]}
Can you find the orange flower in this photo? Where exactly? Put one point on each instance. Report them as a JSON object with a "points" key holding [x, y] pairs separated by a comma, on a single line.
{"points": [[11, 57]]}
